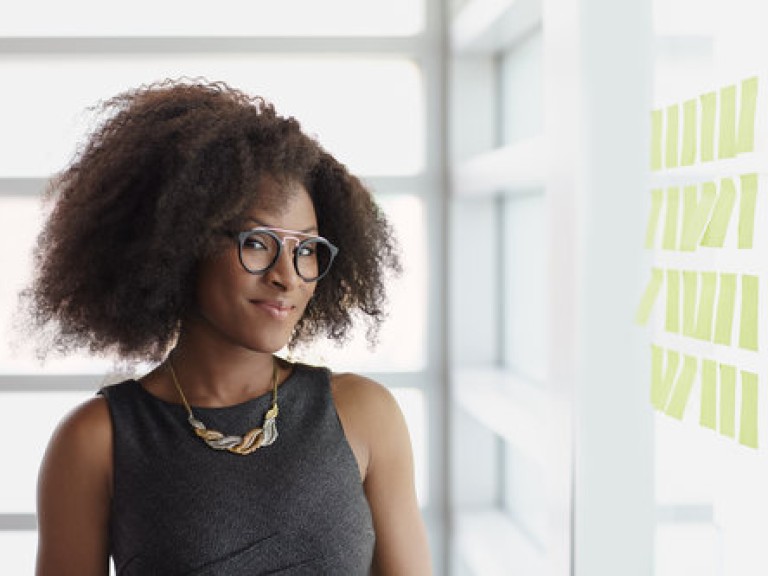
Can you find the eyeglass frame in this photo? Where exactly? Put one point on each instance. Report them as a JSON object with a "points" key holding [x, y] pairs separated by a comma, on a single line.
{"points": [[294, 235]]}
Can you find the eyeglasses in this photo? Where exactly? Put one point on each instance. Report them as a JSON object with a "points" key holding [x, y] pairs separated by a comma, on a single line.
{"points": [[260, 248]]}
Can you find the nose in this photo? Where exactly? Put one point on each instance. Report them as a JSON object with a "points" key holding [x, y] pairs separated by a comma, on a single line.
{"points": [[283, 273]]}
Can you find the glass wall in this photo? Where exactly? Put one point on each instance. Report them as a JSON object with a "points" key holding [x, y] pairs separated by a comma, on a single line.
{"points": [[711, 472]]}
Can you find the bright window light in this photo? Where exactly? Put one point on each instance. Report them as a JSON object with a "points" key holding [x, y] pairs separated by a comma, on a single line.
{"points": [[368, 112], [17, 552], [19, 225], [525, 282], [20, 220], [33, 415], [78, 18], [411, 401]]}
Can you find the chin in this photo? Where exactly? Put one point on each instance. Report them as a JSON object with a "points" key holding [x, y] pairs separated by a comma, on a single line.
{"points": [[271, 349], [269, 345]]}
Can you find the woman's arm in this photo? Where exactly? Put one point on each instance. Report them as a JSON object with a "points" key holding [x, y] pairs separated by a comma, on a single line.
{"points": [[377, 432], [74, 493]]}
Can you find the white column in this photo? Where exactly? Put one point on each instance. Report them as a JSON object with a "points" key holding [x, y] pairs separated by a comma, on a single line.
{"points": [[597, 84]]}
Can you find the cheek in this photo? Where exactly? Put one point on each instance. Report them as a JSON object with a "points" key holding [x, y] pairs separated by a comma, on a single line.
{"points": [[306, 300], [218, 281], [310, 291]]}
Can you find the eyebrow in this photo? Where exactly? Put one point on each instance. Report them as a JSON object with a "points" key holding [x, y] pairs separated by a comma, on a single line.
{"points": [[260, 223]]}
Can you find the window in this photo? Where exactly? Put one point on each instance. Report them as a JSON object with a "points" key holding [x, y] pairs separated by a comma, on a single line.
{"points": [[234, 19], [547, 108], [377, 68], [502, 458]]}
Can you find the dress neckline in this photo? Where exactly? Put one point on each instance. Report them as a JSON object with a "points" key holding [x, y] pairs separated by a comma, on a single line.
{"points": [[295, 369]]}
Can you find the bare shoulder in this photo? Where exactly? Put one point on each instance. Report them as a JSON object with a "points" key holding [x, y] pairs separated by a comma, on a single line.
{"points": [[369, 414], [87, 425], [378, 434], [363, 394], [92, 412], [74, 494], [82, 439]]}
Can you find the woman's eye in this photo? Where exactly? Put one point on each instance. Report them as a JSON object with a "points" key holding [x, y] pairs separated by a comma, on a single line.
{"points": [[306, 251], [254, 244]]}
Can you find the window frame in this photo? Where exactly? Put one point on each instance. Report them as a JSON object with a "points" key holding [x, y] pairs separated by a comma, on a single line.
{"points": [[425, 49]]}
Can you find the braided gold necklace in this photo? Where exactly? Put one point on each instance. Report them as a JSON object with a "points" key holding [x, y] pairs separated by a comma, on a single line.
{"points": [[242, 445]]}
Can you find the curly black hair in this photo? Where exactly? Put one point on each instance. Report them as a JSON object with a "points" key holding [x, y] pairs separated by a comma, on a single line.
{"points": [[143, 201]]}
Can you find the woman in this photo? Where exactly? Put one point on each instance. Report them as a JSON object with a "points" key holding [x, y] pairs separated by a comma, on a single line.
{"points": [[201, 231]]}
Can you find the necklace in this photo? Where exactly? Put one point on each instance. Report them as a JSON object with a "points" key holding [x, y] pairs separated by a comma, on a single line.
{"points": [[242, 445]]}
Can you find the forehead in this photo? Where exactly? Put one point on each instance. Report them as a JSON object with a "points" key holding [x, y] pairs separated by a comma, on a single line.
{"points": [[283, 204]]}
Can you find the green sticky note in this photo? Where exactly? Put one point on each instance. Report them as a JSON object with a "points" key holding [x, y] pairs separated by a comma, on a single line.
{"points": [[714, 236], [726, 145], [747, 210], [672, 126], [726, 303], [748, 416], [662, 375], [682, 390], [657, 134], [708, 115], [657, 374], [749, 311], [696, 214], [669, 241], [672, 323], [657, 197], [727, 400], [690, 291], [708, 417], [706, 306], [747, 108], [649, 296], [688, 154]]}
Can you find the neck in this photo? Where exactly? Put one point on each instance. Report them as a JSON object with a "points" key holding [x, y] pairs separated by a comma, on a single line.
{"points": [[218, 376]]}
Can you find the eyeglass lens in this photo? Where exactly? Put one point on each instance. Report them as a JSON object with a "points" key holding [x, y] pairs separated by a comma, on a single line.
{"points": [[260, 249]]}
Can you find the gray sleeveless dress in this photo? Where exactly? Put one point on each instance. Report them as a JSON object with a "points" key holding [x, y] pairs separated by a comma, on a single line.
{"points": [[181, 508]]}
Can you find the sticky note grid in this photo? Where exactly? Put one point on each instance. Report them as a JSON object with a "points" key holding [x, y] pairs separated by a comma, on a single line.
{"points": [[710, 314], [717, 125]]}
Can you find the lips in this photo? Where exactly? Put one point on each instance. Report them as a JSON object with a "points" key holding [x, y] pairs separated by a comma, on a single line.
{"points": [[275, 308]]}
